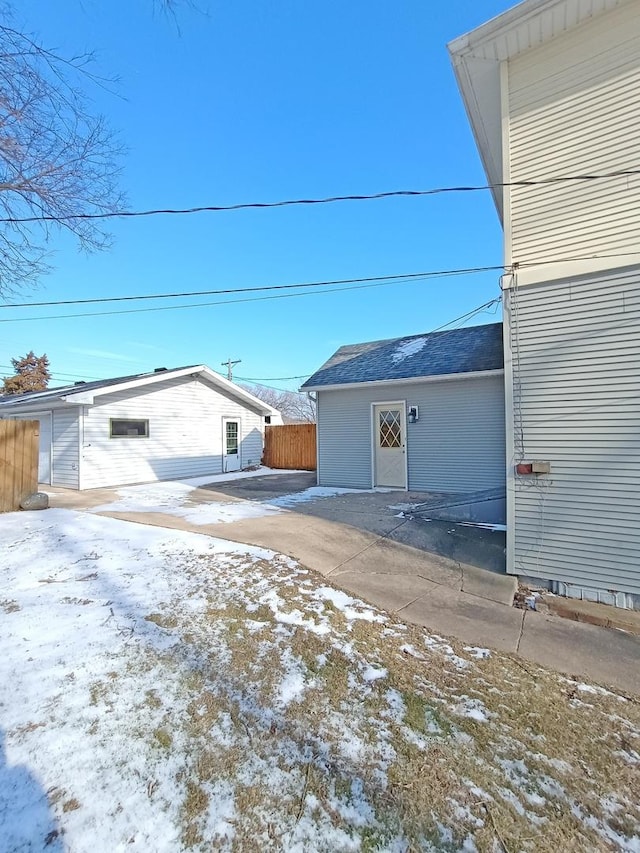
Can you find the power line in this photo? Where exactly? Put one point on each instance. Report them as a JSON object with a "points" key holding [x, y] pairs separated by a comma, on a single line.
{"points": [[462, 318], [328, 200], [372, 281], [187, 293], [399, 277], [470, 314], [55, 373], [272, 378], [385, 283]]}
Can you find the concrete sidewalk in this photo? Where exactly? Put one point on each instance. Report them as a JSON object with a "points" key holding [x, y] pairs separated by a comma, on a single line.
{"points": [[452, 598]]}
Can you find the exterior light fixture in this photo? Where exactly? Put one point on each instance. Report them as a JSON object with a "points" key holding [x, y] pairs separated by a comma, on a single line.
{"points": [[413, 415]]}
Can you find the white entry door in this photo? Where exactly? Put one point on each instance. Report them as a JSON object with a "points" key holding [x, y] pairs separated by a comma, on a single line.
{"points": [[231, 449], [390, 466]]}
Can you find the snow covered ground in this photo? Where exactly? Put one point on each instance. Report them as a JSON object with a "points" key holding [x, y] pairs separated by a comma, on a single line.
{"points": [[167, 691]]}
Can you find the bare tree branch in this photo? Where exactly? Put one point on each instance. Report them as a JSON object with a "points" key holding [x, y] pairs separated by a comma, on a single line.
{"points": [[57, 159], [295, 406]]}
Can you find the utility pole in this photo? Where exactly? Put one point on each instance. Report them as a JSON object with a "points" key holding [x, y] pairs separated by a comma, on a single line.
{"points": [[229, 365]]}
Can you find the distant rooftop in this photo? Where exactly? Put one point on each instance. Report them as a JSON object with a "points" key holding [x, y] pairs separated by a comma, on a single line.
{"points": [[77, 387], [469, 350]]}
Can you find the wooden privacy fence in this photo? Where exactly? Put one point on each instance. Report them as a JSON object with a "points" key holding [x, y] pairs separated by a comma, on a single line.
{"points": [[19, 447], [290, 446]]}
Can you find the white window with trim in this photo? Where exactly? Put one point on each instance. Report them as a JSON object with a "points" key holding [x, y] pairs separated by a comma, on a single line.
{"points": [[128, 428]]}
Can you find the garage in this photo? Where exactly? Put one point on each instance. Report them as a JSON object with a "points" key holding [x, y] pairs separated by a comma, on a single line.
{"points": [[423, 413]]}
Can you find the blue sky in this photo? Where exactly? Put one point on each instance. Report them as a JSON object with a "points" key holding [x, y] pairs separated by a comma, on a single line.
{"points": [[260, 101]]}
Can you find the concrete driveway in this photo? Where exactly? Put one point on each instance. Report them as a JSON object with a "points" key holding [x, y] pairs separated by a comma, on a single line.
{"points": [[381, 513], [444, 576]]}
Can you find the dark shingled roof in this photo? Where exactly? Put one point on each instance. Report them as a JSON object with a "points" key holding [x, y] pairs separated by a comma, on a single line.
{"points": [[468, 350]]}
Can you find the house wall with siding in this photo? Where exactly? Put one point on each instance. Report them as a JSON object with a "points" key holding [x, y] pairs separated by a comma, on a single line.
{"points": [[573, 109], [63, 442], [572, 358], [458, 444], [576, 390], [185, 434]]}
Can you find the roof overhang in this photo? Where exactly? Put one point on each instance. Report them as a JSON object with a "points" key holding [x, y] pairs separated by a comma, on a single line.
{"points": [[201, 371], [478, 55], [87, 398], [414, 380]]}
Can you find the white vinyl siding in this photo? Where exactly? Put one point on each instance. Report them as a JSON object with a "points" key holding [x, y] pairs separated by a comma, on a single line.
{"points": [[457, 445], [576, 365], [65, 448], [59, 437], [574, 110], [185, 434]]}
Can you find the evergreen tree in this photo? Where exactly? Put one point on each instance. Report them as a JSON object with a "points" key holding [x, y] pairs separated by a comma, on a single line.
{"points": [[32, 374]]}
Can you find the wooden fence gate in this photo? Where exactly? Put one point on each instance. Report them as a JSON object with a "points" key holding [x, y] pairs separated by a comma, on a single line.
{"points": [[290, 446], [19, 447]]}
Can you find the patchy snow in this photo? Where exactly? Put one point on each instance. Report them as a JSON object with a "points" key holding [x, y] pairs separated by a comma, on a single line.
{"points": [[397, 708], [373, 673], [591, 688], [175, 498], [473, 709], [478, 652], [207, 512], [350, 607], [313, 493], [161, 491], [403, 507], [443, 647], [168, 691], [408, 649], [83, 586], [93, 688], [295, 617], [407, 349], [484, 525], [188, 484], [292, 686]]}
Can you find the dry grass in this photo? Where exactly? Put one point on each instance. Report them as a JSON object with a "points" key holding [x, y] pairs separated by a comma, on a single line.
{"points": [[162, 620], [544, 761], [374, 731]]}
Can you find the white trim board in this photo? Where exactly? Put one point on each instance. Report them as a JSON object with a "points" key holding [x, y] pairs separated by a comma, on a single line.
{"points": [[201, 371], [77, 396], [403, 407]]}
